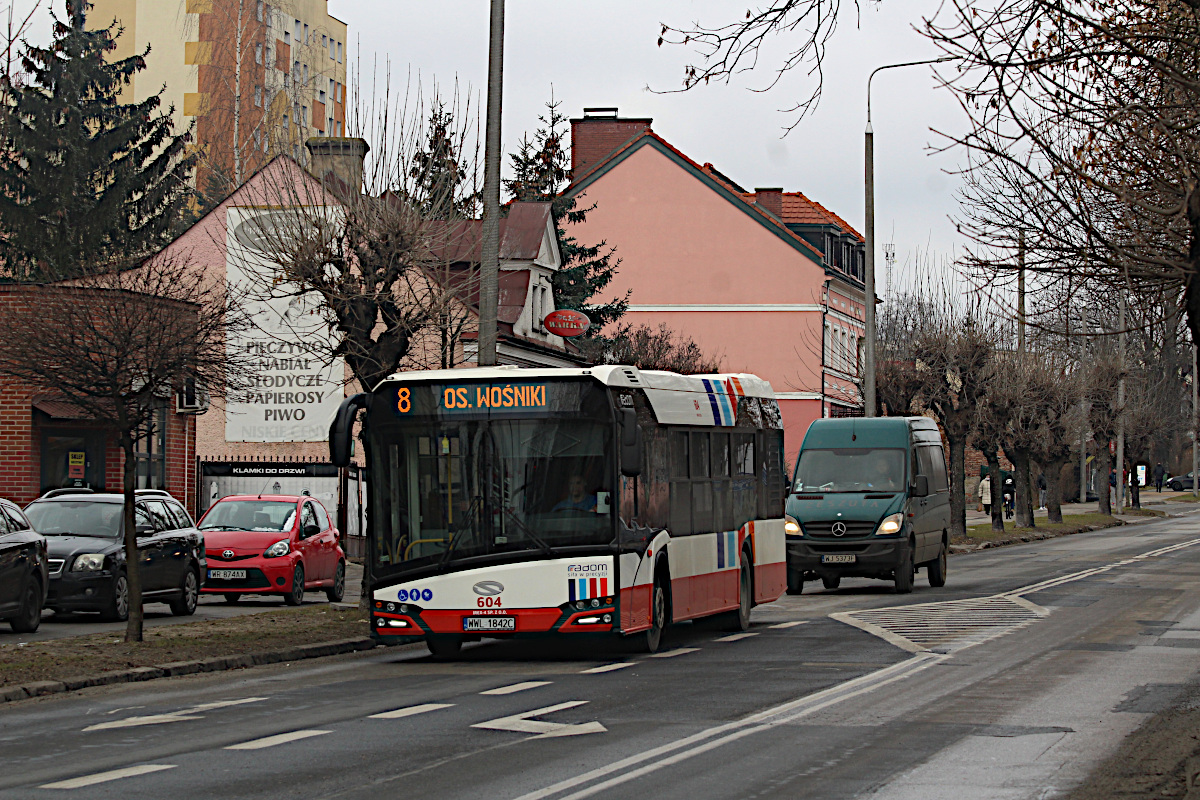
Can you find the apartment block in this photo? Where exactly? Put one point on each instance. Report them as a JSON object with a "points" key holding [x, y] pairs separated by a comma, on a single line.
{"points": [[256, 79]]}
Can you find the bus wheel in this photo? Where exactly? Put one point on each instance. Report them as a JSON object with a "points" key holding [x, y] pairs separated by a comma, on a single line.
{"points": [[740, 620], [795, 582], [444, 648], [658, 618]]}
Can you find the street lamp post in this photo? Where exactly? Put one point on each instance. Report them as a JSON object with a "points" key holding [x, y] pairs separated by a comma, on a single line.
{"points": [[869, 235]]}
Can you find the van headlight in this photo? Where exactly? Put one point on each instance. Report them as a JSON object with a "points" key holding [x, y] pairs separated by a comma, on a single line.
{"points": [[891, 525], [790, 526], [280, 548]]}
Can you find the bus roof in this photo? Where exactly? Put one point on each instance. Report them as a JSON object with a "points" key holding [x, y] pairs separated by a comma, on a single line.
{"points": [[608, 374]]}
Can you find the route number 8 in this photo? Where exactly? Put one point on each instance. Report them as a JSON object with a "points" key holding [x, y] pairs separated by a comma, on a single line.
{"points": [[404, 401]]}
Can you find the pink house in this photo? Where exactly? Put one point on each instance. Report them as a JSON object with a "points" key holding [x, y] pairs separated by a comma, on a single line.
{"points": [[768, 280]]}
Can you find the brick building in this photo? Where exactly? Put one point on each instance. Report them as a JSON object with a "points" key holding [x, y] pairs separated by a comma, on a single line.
{"points": [[48, 442]]}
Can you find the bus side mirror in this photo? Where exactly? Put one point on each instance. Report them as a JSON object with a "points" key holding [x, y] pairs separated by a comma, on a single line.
{"points": [[342, 428], [631, 444], [921, 487]]}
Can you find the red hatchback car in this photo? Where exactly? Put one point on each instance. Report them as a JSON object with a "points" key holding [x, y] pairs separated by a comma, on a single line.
{"points": [[272, 544]]}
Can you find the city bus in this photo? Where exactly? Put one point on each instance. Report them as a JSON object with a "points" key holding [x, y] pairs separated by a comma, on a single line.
{"points": [[514, 502]]}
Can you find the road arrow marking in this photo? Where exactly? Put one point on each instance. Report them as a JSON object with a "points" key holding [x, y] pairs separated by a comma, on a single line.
{"points": [[175, 716], [521, 723], [517, 687], [411, 711]]}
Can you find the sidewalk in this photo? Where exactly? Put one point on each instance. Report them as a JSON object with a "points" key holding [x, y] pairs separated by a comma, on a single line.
{"points": [[1150, 499]]}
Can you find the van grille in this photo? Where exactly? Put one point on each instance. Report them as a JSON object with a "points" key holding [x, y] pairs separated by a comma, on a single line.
{"points": [[824, 530]]}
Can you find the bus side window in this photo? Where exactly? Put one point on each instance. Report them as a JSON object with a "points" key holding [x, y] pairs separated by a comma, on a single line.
{"points": [[722, 486], [771, 481], [681, 488], [745, 484]]}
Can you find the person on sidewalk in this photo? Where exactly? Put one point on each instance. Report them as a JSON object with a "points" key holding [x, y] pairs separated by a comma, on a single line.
{"points": [[1041, 484], [1160, 475], [985, 494], [1010, 496]]}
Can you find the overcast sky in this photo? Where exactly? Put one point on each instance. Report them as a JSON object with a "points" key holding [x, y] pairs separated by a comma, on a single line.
{"points": [[605, 54]]}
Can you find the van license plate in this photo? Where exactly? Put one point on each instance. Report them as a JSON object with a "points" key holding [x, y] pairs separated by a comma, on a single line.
{"points": [[489, 623], [839, 559]]}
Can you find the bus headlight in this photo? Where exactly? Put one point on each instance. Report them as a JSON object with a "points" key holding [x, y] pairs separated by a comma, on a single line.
{"points": [[891, 525], [791, 527]]}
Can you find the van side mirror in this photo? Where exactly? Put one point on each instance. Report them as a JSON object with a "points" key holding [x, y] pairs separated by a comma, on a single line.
{"points": [[342, 428], [631, 444], [921, 487]]}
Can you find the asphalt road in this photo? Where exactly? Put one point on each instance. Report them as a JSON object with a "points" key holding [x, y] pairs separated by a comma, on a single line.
{"points": [[1012, 682], [61, 626]]}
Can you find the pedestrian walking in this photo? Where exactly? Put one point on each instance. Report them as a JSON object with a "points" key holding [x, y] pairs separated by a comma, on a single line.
{"points": [[1041, 484], [1010, 496], [1160, 474], [985, 494]]}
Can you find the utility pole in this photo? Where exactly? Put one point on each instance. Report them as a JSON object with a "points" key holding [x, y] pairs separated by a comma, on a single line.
{"points": [[1083, 415], [1195, 425], [1121, 412], [1021, 292], [489, 269]]}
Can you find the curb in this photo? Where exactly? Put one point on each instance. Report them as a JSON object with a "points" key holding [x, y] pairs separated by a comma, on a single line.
{"points": [[175, 668], [957, 549]]}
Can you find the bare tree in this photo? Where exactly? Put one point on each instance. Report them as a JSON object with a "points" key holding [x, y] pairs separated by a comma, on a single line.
{"points": [[652, 348], [118, 345]]}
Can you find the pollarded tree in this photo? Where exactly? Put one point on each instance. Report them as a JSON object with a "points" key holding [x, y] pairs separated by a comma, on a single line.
{"points": [[85, 180]]}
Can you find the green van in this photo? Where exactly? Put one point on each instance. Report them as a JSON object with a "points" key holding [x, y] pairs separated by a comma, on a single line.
{"points": [[870, 499]]}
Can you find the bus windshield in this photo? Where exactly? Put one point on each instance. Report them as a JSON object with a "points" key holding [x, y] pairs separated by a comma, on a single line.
{"points": [[462, 488], [850, 470]]}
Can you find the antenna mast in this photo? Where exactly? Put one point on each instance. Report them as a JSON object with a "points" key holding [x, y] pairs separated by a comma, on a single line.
{"points": [[889, 258]]}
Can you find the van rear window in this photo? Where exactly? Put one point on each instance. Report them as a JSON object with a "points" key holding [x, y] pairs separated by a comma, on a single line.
{"points": [[851, 470]]}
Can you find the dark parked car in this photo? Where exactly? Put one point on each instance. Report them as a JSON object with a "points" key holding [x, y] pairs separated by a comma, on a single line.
{"points": [[24, 578], [1177, 483], [87, 555]]}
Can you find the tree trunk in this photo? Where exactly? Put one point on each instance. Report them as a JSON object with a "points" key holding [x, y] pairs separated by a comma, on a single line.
{"points": [[133, 628], [993, 459], [1054, 487], [1104, 467], [958, 488], [1023, 504]]}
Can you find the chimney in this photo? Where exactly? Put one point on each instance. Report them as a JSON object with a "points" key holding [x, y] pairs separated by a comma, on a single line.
{"points": [[341, 155], [599, 133], [771, 200]]}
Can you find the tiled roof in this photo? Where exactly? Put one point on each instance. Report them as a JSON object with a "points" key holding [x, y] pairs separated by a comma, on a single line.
{"points": [[800, 210]]}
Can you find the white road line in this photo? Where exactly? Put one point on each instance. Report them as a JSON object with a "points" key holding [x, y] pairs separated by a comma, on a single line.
{"points": [[516, 687], [678, 651], [789, 624], [104, 777], [272, 741], [606, 668], [730, 731], [411, 711], [174, 716], [521, 723], [736, 637]]}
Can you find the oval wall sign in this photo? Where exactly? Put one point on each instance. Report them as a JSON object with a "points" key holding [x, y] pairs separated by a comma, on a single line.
{"points": [[566, 322]]}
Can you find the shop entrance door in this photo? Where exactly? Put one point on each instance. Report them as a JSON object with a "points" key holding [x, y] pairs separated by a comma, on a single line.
{"points": [[72, 459]]}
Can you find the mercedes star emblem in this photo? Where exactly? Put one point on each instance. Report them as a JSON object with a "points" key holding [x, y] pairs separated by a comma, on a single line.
{"points": [[839, 529]]}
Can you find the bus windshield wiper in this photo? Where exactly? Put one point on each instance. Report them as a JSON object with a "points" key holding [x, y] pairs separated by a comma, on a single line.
{"points": [[468, 527], [542, 544]]}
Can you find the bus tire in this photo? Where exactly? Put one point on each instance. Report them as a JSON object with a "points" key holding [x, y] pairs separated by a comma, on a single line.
{"points": [[739, 620], [652, 639], [444, 648]]}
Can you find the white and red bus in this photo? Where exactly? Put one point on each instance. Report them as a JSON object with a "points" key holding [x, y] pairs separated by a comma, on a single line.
{"points": [[515, 502]]}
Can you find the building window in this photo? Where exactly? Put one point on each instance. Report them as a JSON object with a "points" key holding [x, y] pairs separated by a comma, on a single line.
{"points": [[287, 38], [149, 450], [340, 126], [324, 40], [258, 140], [303, 118], [287, 79], [258, 54], [258, 95], [286, 123], [331, 92], [341, 96], [259, 10], [339, 52], [331, 48], [306, 74], [306, 34], [329, 127], [298, 31], [296, 152]]}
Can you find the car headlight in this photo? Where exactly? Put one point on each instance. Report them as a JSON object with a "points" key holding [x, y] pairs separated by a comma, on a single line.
{"points": [[88, 562], [280, 548], [791, 527], [891, 525]]}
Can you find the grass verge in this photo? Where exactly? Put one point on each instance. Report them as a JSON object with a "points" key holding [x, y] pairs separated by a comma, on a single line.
{"points": [[77, 656], [1187, 497], [1072, 523]]}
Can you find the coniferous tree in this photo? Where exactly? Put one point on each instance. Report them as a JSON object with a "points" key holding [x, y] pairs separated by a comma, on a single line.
{"points": [[541, 170], [85, 181], [438, 172]]}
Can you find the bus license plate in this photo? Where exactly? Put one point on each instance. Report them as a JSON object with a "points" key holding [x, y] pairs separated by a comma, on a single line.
{"points": [[489, 623], [839, 559], [227, 574]]}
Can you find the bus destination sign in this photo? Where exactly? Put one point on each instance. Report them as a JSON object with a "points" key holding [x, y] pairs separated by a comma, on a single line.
{"points": [[475, 398]]}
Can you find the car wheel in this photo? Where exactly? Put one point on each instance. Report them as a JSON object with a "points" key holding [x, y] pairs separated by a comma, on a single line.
{"points": [[795, 582], [232, 597], [740, 620], [904, 571], [831, 582], [936, 569], [296, 596], [1176, 486], [189, 594], [338, 590], [118, 605], [29, 615], [447, 647]]}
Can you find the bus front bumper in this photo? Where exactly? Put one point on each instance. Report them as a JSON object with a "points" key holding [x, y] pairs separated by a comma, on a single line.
{"points": [[396, 623]]}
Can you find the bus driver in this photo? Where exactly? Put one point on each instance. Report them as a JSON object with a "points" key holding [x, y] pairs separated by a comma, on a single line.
{"points": [[577, 498]]}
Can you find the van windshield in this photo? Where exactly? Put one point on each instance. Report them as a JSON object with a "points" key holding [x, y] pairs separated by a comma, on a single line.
{"points": [[850, 470]]}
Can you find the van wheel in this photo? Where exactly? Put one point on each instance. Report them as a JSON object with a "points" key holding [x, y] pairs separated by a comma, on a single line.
{"points": [[795, 582], [936, 569], [831, 582], [905, 571]]}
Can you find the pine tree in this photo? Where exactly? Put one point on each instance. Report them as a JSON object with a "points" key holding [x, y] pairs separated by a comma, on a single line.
{"points": [[438, 174], [541, 170], [86, 182]]}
